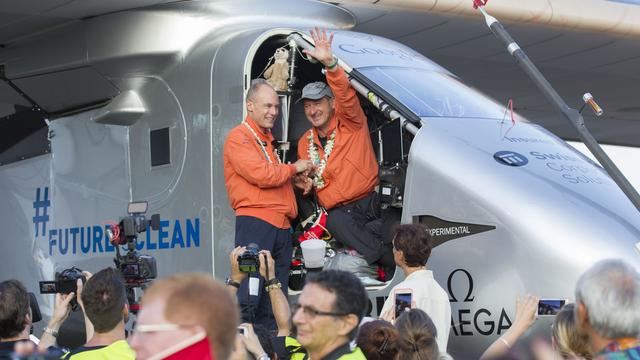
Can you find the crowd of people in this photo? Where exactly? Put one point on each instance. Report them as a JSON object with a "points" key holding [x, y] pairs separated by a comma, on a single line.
{"points": [[193, 316]]}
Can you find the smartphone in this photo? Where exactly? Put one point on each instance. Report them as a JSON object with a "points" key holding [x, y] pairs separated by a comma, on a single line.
{"points": [[403, 299], [550, 306]]}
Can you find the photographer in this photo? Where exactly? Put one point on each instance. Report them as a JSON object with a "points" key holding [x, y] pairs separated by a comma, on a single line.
{"points": [[103, 300], [16, 317], [277, 298]]}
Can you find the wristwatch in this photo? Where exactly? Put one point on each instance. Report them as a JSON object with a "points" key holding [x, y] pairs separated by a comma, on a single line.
{"points": [[273, 284], [53, 333], [263, 357], [230, 282]]}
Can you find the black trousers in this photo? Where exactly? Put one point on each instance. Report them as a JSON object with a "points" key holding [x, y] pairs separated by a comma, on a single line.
{"points": [[358, 225], [257, 309]]}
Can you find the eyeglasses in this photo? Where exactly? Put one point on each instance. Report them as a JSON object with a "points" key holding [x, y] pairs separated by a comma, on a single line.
{"points": [[309, 311]]}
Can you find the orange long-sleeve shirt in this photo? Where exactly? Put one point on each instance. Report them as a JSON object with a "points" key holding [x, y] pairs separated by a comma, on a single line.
{"points": [[352, 170], [255, 186]]}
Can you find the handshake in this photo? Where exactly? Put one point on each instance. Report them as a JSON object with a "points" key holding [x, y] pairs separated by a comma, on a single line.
{"points": [[303, 180]]}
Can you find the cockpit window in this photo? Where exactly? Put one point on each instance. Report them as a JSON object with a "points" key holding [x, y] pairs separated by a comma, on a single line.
{"points": [[433, 94]]}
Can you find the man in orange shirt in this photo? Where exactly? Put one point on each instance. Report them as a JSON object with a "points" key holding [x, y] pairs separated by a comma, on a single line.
{"points": [[339, 145], [260, 191]]}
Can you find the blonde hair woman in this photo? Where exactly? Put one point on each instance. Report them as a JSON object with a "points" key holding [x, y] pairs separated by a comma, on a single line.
{"points": [[567, 341]]}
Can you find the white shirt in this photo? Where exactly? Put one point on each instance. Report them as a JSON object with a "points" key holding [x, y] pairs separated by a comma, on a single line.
{"points": [[429, 297]]}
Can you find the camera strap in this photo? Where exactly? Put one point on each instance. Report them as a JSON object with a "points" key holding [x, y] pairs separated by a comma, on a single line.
{"points": [[266, 267]]}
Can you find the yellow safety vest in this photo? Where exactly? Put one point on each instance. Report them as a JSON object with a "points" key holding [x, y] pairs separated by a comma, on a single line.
{"points": [[119, 350], [355, 354], [298, 352]]}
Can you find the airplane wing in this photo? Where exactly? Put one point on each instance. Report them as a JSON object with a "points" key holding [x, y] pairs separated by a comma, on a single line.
{"points": [[590, 47], [23, 18]]}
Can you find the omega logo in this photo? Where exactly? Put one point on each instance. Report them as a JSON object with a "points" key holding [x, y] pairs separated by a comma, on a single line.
{"points": [[463, 322]]}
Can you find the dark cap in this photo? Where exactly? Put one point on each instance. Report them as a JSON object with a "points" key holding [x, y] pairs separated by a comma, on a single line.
{"points": [[316, 91]]}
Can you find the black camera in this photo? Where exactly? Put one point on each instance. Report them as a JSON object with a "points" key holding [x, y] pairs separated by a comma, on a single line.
{"points": [[138, 267], [65, 282], [135, 268], [249, 261]]}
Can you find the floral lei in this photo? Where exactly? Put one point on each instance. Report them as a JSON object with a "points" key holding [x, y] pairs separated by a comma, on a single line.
{"points": [[318, 180], [262, 147]]}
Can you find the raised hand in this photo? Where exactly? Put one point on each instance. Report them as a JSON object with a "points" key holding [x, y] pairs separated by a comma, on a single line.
{"points": [[236, 275], [322, 51], [388, 316], [526, 308], [266, 258], [80, 286], [251, 341], [61, 309]]}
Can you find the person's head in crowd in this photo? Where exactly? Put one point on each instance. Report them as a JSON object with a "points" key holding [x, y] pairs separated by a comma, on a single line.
{"points": [[411, 245], [194, 302], [319, 106], [567, 340], [15, 313], [417, 336], [104, 300], [262, 103], [608, 303], [378, 340], [328, 312]]}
